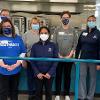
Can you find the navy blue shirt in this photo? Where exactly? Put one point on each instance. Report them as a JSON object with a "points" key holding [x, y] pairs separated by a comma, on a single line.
{"points": [[11, 47], [44, 50], [89, 44]]}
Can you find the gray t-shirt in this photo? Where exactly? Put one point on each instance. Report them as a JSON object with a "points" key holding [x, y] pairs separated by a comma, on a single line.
{"points": [[29, 39], [66, 40]]}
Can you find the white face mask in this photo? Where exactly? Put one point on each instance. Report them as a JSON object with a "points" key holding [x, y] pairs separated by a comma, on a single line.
{"points": [[44, 37]]}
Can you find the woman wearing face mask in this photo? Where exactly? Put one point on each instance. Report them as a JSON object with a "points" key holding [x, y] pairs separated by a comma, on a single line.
{"points": [[11, 45], [88, 47], [44, 71], [29, 38], [66, 38]]}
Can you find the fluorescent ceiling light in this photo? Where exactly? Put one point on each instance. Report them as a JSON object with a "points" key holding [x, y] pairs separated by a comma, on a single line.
{"points": [[62, 8], [96, 14], [89, 6], [24, 7], [89, 9], [21, 0], [68, 1]]}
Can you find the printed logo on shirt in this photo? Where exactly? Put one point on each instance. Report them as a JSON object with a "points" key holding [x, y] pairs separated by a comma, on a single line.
{"points": [[49, 49], [94, 37], [69, 34], [8, 43], [61, 33], [85, 34]]}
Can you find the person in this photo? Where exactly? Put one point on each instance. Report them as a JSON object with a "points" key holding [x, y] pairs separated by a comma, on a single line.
{"points": [[5, 13], [89, 46], [66, 39], [29, 38], [11, 45], [44, 71]]}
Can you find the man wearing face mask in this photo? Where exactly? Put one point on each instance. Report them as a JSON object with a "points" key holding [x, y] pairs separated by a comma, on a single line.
{"points": [[5, 13], [29, 38], [88, 47], [66, 39]]}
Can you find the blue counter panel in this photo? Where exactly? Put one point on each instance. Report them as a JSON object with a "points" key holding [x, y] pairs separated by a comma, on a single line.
{"points": [[23, 81]]}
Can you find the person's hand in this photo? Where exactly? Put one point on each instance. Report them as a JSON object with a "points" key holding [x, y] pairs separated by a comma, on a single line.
{"points": [[2, 64], [70, 54], [24, 64], [98, 67], [47, 76], [5, 66], [67, 57], [40, 76], [60, 56], [12, 67]]}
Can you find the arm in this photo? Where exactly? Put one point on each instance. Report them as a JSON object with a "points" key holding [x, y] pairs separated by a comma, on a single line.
{"points": [[55, 36], [72, 52], [52, 70], [78, 48], [98, 66], [2, 64], [22, 54], [22, 51], [36, 71], [19, 62], [75, 40]]}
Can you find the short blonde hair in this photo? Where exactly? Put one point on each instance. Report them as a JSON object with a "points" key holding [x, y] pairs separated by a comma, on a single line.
{"points": [[34, 18]]}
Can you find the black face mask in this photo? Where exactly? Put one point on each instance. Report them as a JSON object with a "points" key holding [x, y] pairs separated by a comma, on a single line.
{"points": [[65, 21]]}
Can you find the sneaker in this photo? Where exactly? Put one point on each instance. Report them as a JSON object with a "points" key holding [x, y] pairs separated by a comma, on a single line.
{"points": [[57, 98], [67, 98]]}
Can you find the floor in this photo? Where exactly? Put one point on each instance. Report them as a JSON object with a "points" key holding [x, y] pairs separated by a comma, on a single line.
{"points": [[25, 97]]}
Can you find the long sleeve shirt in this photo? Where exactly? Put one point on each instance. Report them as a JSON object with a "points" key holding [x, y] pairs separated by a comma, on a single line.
{"points": [[66, 39], [29, 39], [44, 50], [88, 46]]}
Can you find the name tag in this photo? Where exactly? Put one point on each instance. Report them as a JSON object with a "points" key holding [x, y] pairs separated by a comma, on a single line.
{"points": [[61, 33], [85, 34], [94, 37]]}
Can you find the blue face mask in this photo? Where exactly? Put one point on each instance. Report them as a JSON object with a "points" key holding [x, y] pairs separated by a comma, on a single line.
{"points": [[65, 21], [7, 31], [2, 18], [91, 24], [35, 26]]}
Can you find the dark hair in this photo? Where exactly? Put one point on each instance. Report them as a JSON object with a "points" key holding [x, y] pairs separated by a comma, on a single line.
{"points": [[91, 16], [65, 12], [9, 21], [44, 27], [5, 10]]}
